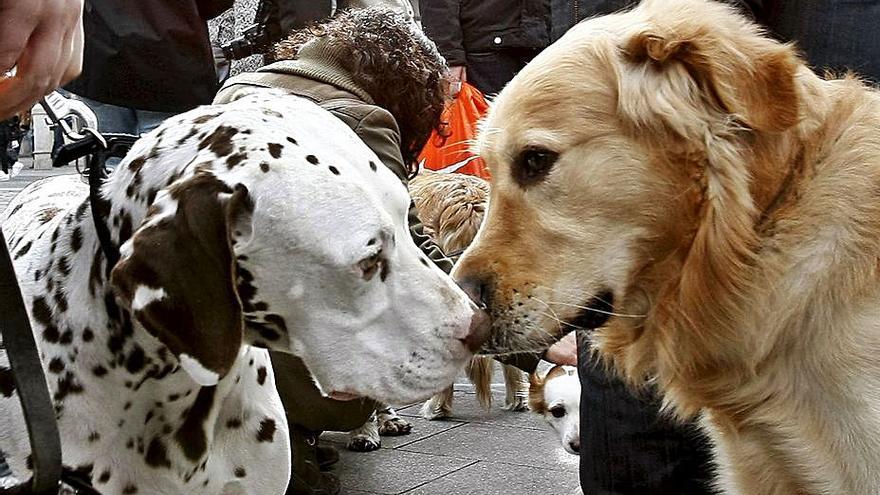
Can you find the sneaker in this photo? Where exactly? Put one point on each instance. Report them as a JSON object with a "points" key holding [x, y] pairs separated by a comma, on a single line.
{"points": [[16, 169]]}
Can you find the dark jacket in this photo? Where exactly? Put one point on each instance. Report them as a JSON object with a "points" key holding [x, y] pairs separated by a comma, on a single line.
{"points": [[834, 35], [148, 54], [319, 76], [470, 26]]}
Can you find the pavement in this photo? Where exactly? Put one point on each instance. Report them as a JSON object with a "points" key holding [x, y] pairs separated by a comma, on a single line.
{"points": [[476, 452]]}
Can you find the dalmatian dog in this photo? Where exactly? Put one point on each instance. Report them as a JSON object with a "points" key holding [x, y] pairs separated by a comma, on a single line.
{"points": [[260, 224]]}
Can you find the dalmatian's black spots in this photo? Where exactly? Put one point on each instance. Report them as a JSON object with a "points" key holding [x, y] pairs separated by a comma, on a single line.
{"points": [[64, 266], [173, 397], [94, 437], [88, 335], [240, 472], [220, 141], [66, 338], [275, 150], [233, 424], [7, 382], [333, 170], [80, 213], [137, 164], [203, 119], [151, 195], [130, 489], [67, 384], [373, 166], [386, 270], [38, 274], [191, 434], [76, 240], [261, 375], [246, 290], [235, 160], [100, 371], [189, 135], [15, 210], [125, 230], [312, 159], [130, 444], [291, 140], [157, 454], [126, 406], [56, 365], [134, 186], [266, 433], [149, 416], [24, 250], [104, 477], [272, 113], [136, 360], [48, 214], [205, 483], [424, 262]]}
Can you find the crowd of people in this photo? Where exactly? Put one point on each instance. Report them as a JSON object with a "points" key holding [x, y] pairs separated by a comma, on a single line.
{"points": [[144, 61]]}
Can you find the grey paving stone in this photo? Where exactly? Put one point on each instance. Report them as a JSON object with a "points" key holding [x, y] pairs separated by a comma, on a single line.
{"points": [[521, 446], [490, 478], [421, 429], [390, 471], [466, 408]]}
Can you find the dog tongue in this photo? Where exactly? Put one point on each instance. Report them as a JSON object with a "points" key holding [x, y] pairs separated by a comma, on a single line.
{"points": [[343, 396]]}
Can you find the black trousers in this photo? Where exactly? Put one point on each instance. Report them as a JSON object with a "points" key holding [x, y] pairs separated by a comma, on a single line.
{"points": [[628, 448]]}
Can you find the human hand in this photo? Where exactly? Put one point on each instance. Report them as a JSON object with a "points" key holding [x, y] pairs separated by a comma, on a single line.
{"points": [[563, 352], [457, 75], [41, 44]]}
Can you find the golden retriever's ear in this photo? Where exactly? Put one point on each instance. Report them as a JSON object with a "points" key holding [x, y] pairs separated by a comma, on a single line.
{"points": [[690, 71], [177, 275]]}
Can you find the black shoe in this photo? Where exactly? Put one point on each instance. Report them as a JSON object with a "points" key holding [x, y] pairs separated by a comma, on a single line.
{"points": [[307, 478], [327, 456]]}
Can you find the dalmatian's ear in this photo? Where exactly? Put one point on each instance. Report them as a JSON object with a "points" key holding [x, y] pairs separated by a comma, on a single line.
{"points": [[177, 274]]}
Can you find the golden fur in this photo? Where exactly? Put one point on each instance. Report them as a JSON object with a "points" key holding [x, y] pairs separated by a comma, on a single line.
{"points": [[729, 199], [451, 208]]}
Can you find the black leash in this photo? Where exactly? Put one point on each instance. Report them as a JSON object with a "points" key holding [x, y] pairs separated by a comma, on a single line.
{"points": [[27, 370], [98, 147]]}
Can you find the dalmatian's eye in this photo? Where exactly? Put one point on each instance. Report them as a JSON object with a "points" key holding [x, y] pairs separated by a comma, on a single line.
{"points": [[558, 411], [533, 164], [371, 265]]}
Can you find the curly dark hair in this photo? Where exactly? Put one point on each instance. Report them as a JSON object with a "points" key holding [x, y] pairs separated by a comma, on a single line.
{"points": [[393, 61]]}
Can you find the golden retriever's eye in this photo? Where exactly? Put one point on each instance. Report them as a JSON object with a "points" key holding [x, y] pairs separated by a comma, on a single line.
{"points": [[532, 165], [558, 411]]}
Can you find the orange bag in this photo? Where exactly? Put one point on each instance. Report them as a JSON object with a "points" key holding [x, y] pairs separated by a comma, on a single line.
{"points": [[452, 154]]}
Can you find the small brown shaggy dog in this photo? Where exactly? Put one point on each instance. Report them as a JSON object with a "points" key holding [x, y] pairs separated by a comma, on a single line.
{"points": [[682, 182]]}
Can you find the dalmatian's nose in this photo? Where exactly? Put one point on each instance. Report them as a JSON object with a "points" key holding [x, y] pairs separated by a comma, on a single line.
{"points": [[478, 331]]}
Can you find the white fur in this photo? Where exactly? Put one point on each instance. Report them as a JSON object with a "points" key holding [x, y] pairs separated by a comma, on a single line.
{"points": [[391, 340]]}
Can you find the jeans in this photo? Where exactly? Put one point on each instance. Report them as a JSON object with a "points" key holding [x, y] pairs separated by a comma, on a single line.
{"points": [[122, 120]]}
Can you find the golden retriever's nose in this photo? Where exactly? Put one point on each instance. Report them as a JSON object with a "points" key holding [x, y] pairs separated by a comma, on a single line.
{"points": [[477, 289], [478, 331]]}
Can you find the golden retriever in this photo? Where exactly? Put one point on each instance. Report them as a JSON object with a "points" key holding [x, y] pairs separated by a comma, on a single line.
{"points": [[688, 186]]}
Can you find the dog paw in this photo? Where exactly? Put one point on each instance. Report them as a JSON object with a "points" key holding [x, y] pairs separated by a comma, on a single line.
{"points": [[363, 444], [518, 404], [394, 427], [432, 410]]}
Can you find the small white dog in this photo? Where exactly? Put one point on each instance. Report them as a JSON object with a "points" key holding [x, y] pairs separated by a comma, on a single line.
{"points": [[557, 397]]}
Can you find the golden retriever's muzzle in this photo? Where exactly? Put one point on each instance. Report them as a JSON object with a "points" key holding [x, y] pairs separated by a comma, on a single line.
{"points": [[513, 333]]}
